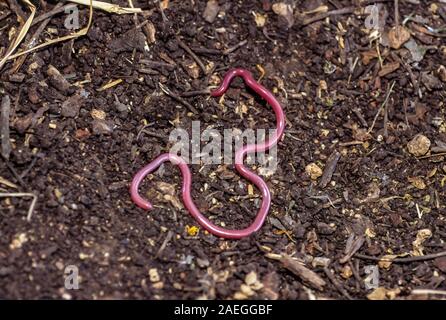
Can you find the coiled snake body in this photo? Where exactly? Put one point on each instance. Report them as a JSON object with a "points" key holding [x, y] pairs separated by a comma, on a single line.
{"points": [[239, 157]]}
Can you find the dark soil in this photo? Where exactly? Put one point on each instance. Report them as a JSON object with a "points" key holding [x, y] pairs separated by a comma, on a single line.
{"points": [[80, 165]]}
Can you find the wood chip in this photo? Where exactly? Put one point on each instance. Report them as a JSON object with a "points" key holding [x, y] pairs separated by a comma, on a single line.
{"points": [[329, 168], [297, 268]]}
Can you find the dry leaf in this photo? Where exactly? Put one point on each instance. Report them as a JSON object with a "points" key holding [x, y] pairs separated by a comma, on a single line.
{"points": [[398, 36], [417, 182], [422, 236]]}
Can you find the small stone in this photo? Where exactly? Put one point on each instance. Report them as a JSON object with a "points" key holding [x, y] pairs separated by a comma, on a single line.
{"points": [[246, 290], [346, 272], [240, 296], [98, 114], [57, 79], [251, 278], [18, 241], [192, 69], [202, 263], [102, 126], [153, 275], [419, 145], [324, 229], [313, 171], [158, 285], [211, 11], [70, 107], [441, 71]]}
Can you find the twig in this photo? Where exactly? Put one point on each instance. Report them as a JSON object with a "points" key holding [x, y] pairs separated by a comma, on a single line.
{"points": [[429, 291], [4, 127], [328, 14], [164, 244], [361, 118], [397, 13], [178, 98], [31, 42], [381, 107], [51, 13], [235, 47], [192, 54], [219, 52], [196, 93], [413, 79], [19, 195], [403, 260]]}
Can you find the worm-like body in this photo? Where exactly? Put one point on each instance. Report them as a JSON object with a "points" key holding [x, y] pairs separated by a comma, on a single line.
{"points": [[239, 157]]}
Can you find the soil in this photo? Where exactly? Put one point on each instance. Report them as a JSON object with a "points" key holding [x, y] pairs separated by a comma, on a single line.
{"points": [[76, 144]]}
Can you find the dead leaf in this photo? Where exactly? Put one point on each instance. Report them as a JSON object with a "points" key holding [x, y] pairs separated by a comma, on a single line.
{"points": [[417, 182], [422, 236], [398, 36]]}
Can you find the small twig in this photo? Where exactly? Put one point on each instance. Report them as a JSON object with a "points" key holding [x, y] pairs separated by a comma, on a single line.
{"points": [[32, 42], [219, 52], [235, 47], [386, 120], [192, 54], [163, 15], [403, 260], [328, 14], [397, 13], [4, 127], [19, 195], [381, 107], [196, 93], [164, 244], [413, 79], [178, 98], [361, 118], [51, 13]]}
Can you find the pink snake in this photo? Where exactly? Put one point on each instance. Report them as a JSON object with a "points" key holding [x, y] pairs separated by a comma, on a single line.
{"points": [[239, 157]]}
